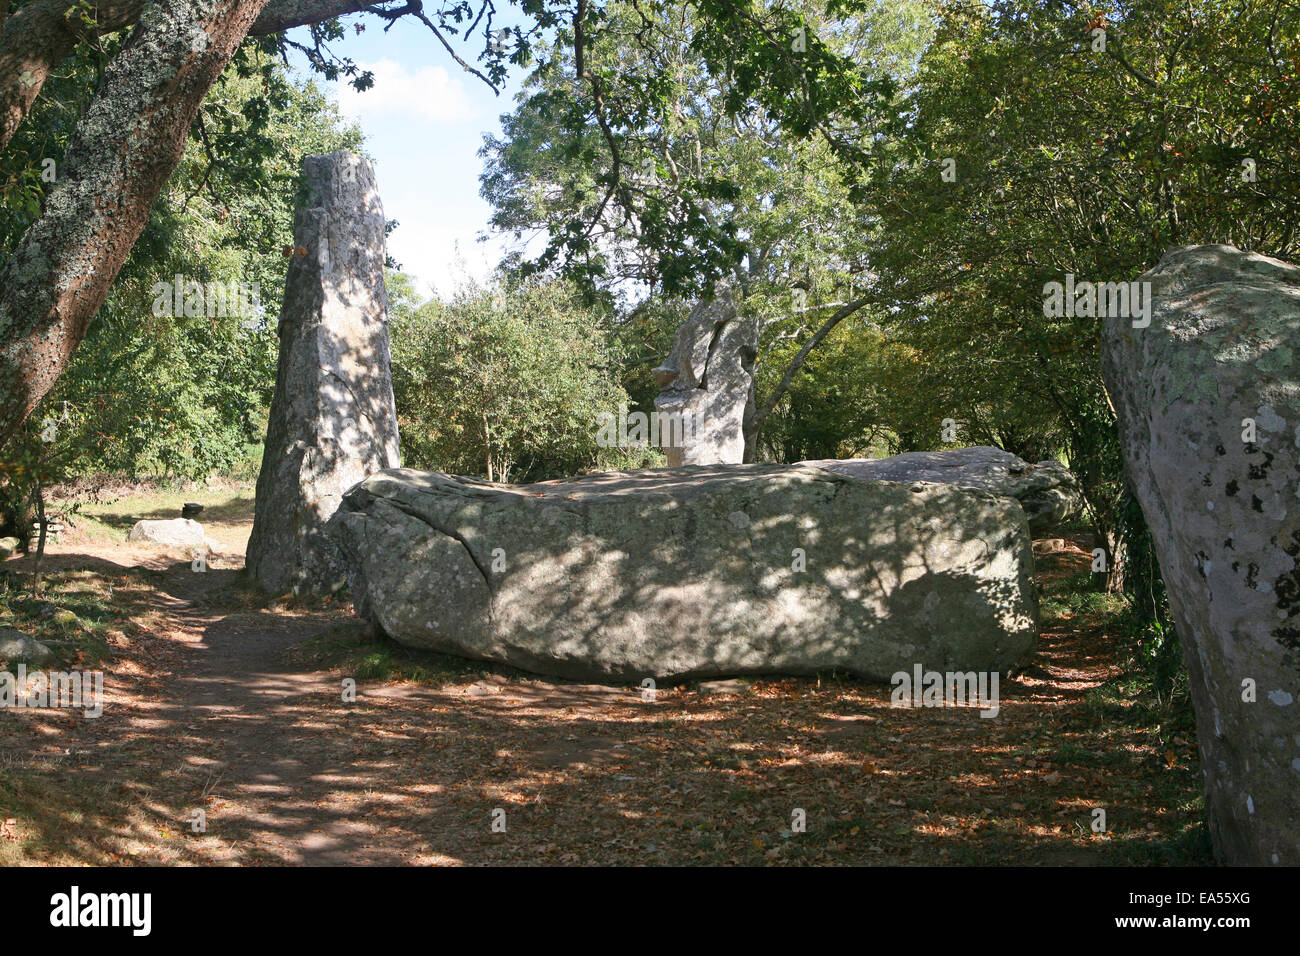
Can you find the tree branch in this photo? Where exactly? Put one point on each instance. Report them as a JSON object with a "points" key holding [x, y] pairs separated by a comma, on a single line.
{"points": [[39, 36], [616, 158], [36, 38], [281, 15], [796, 363], [454, 55]]}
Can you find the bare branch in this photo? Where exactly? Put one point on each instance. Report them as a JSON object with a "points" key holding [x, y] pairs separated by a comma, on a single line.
{"points": [[454, 55]]}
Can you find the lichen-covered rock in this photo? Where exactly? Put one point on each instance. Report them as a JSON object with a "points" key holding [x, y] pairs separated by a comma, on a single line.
{"points": [[697, 571], [16, 646], [708, 381], [333, 420], [1208, 400], [1047, 491]]}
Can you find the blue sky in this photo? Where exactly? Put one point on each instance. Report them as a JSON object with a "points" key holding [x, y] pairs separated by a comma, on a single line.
{"points": [[424, 121]]}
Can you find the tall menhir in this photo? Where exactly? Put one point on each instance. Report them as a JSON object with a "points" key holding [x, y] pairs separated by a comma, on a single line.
{"points": [[333, 421]]}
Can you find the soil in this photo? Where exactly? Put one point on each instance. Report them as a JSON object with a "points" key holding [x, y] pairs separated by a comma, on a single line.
{"points": [[218, 702]]}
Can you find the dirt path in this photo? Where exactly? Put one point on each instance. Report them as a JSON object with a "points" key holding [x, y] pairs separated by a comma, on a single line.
{"points": [[212, 706], [274, 768]]}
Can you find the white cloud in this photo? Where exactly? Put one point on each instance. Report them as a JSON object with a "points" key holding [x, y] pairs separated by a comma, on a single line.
{"points": [[430, 93], [441, 256]]}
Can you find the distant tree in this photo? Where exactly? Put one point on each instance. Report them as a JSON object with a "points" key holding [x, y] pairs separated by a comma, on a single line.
{"points": [[707, 189], [508, 384], [1072, 155]]}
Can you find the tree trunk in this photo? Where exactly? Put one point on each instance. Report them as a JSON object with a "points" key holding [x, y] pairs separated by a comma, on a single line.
{"points": [[124, 149], [1116, 560], [41, 35], [749, 428], [36, 39], [38, 497]]}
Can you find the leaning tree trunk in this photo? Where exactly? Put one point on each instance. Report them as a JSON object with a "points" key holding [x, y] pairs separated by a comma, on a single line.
{"points": [[123, 150], [37, 37], [33, 41]]}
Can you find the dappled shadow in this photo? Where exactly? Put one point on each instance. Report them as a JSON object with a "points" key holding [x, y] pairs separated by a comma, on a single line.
{"points": [[676, 573], [127, 559], [288, 772]]}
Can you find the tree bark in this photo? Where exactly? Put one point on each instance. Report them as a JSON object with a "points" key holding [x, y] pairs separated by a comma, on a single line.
{"points": [[38, 37], [280, 15], [122, 153]]}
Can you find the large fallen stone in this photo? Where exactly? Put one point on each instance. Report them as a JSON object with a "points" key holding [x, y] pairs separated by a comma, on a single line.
{"points": [[333, 421], [698, 571], [1047, 491], [1220, 359], [708, 384], [180, 533]]}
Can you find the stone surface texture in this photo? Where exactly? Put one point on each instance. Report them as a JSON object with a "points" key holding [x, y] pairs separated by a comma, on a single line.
{"points": [[333, 420], [1047, 491], [1222, 357], [708, 380], [694, 572]]}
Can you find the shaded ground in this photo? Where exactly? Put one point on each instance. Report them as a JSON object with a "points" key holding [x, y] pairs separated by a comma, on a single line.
{"points": [[221, 704]]}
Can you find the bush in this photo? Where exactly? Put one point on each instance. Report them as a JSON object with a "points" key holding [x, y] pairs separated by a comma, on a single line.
{"points": [[506, 384]]}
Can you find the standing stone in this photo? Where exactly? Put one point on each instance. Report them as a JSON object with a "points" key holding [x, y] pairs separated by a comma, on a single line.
{"points": [[1208, 401], [333, 421], [708, 381]]}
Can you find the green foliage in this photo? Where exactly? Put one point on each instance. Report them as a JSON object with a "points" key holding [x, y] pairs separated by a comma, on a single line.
{"points": [[505, 383], [843, 404], [710, 182], [1069, 159], [680, 152], [175, 395]]}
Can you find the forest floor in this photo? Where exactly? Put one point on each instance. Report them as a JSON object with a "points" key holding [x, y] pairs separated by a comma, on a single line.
{"points": [[220, 700]]}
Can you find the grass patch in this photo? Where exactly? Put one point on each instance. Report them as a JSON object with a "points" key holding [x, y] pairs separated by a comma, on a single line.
{"points": [[1071, 753], [110, 520], [45, 812], [77, 613], [1069, 598], [1190, 847]]}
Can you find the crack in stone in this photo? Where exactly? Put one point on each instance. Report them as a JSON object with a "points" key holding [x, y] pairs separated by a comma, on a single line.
{"points": [[424, 519]]}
